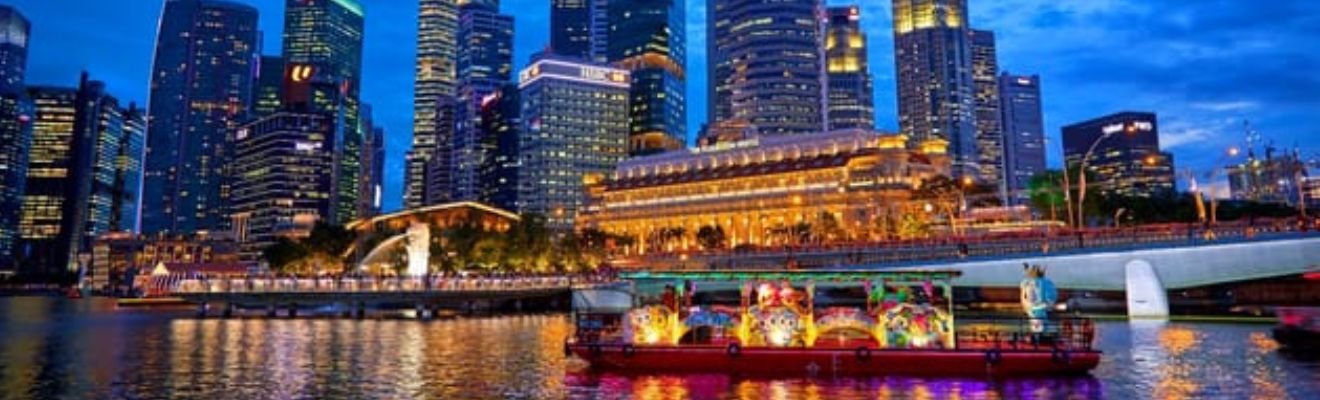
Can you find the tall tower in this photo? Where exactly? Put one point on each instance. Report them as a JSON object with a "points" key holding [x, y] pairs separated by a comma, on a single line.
{"points": [[201, 87], [985, 81], [851, 103], [579, 28], [648, 38], [15, 128], [1024, 133], [433, 94], [326, 35], [485, 63], [766, 64], [14, 31], [936, 95]]}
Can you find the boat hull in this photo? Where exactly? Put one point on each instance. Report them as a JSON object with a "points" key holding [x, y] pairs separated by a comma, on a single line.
{"points": [[837, 361]]}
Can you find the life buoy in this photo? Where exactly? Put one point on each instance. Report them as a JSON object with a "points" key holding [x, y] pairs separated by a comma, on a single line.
{"points": [[994, 357], [629, 350], [863, 354], [734, 350], [1060, 356]]}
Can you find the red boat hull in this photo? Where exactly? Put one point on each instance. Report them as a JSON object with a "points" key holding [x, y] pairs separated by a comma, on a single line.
{"points": [[841, 361]]}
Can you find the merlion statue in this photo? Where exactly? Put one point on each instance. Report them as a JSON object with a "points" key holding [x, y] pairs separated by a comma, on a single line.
{"points": [[1038, 293], [419, 249]]}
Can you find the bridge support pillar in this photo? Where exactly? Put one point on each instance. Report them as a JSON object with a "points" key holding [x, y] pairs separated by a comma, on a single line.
{"points": [[1146, 296], [423, 312], [270, 311], [229, 310], [361, 310], [293, 310], [202, 308]]}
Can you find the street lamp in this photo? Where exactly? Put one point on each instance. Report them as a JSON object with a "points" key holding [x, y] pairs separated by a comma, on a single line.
{"points": [[1081, 176]]}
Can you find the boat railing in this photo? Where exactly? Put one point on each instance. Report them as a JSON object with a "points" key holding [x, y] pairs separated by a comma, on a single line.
{"points": [[1007, 333]]}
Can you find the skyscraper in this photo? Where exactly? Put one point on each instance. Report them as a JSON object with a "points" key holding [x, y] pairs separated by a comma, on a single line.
{"points": [[850, 98], [765, 61], [1024, 133], [574, 124], [485, 63], [280, 186], [15, 127], [933, 62], [500, 121], [201, 87], [73, 191], [127, 198], [326, 35], [268, 91], [1125, 157], [989, 132], [437, 30], [579, 28], [373, 165], [648, 38]]}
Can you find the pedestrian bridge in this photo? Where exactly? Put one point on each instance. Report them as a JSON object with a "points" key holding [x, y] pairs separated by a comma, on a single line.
{"points": [[1146, 275]]}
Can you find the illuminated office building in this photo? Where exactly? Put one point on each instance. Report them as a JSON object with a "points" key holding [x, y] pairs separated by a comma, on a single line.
{"points": [[757, 189], [267, 92], [579, 28], [485, 63], [15, 128], [373, 165], [500, 121], [574, 124], [989, 128], [127, 200], [14, 32], [765, 64], [201, 87], [280, 185], [933, 63], [648, 38], [433, 94], [1127, 160], [1275, 178], [1024, 133], [851, 103]]}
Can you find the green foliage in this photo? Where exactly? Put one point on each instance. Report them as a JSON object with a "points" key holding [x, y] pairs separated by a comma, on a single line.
{"points": [[711, 237], [322, 251]]}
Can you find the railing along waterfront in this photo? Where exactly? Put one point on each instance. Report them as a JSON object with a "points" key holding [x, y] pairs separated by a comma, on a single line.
{"points": [[274, 285]]}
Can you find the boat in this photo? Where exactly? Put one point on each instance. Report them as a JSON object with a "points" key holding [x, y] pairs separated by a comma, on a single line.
{"points": [[1298, 328], [902, 325]]}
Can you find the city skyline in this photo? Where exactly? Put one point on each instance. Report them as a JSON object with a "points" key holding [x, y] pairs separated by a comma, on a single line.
{"points": [[1135, 56]]}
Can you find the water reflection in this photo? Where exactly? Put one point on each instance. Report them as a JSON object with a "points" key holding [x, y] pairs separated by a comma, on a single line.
{"points": [[51, 348]]}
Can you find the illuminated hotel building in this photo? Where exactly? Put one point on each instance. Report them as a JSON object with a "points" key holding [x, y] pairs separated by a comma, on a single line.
{"points": [[280, 185], [433, 94], [851, 105], [1127, 161], [989, 132], [485, 63], [765, 64], [574, 124], [647, 37], [75, 187], [15, 128], [757, 186], [933, 62], [1024, 133], [201, 87]]}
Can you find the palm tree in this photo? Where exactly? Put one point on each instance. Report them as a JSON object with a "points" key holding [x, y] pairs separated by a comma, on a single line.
{"points": [[711, 237]]}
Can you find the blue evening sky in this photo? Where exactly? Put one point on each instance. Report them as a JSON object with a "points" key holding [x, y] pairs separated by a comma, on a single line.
{"points": [[1204, 66]]}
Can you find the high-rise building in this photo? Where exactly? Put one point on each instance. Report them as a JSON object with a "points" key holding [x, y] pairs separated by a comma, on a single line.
{"points": [[851, 102], [500, 121], [485, 63], [1124, 155], [326, 35], [989, 128], [1274, 178], [648, 38], [201, 87], [73, 184], [267, 93], [373, 165], [127, 210], [280, 186], [765, 64], [933, 62], [579, 28], [574, 124], [437, 31], [15, 128], [1024, 133]]}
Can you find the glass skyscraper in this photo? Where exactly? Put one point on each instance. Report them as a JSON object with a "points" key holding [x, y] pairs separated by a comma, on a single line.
{"points": [[267, 94], [989, 132], [933, 62], [201, 88], [851, 103], [1127, 159], [1024, 133], [433, 94], [14, 32], [501, 115], [578, 28], [280, 186], [765, 61], [648, 37], [485, 63], [15, 128]]}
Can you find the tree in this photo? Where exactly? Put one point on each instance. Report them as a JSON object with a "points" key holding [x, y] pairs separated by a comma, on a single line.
{"points": [[711, 237], [1047, 197], [827, 228], [284, 252]]}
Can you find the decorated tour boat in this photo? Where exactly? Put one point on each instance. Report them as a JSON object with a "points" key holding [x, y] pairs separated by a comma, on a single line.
{"points": [[879, 323]]}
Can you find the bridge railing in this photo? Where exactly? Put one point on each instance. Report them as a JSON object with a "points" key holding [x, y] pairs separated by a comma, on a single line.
{"points": [[369, 285]]}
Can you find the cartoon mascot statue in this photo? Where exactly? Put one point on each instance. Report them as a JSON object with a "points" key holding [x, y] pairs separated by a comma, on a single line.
{"points": [[1038, 295]]}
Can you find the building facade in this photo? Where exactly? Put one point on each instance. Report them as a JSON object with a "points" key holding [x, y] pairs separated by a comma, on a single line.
{"points": [[501, 120], [280, 185], [433, 94], [268, 89], [373, 165], [933, 63], [15, 128], [118, 257], [648, 38], [485, 63], [574, 124], [201, 87], [851, 102], [127, 198], [578, 28], [765, 64], [1024, 133], [1126, 159], [989, 126], [759, 190], [1269, 179]]}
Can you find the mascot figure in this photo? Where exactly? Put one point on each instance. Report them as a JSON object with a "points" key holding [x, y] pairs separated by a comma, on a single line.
{"points": [[1038, 295]]}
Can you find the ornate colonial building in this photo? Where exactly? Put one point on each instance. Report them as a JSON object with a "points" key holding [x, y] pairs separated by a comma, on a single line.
{"points": [[760, 190]]}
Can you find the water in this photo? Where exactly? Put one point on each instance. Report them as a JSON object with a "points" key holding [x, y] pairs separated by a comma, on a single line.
{"points": [[55, 348]]}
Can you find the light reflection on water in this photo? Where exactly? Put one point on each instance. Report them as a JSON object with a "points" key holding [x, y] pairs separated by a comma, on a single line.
{"points": [[52, 348]]}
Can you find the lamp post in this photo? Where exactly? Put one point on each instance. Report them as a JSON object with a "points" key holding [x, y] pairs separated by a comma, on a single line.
{"points": [[1081, 177]]}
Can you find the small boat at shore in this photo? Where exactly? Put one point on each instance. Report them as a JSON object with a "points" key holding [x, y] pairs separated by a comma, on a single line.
{"points": [[903, 326], [1299, 328]]}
